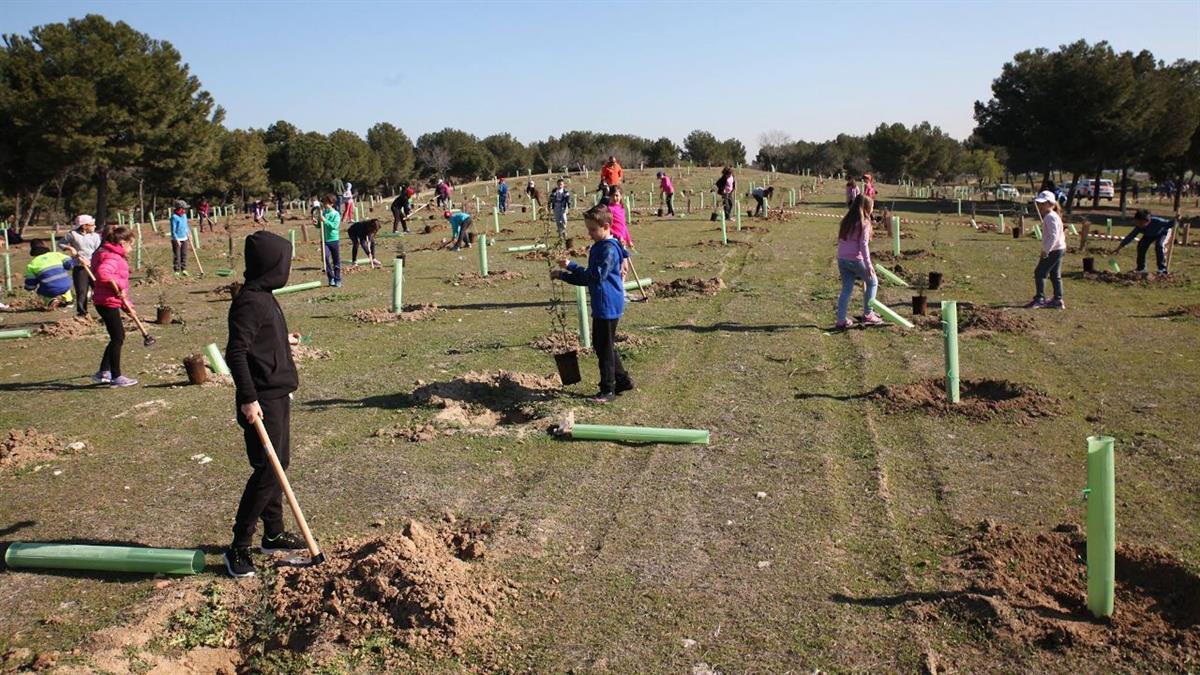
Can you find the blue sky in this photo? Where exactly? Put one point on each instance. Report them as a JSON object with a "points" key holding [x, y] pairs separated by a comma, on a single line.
{"points": [[537, 69]]}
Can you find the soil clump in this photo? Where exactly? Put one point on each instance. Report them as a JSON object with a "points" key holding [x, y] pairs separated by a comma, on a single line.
{"points": [[408, 313], [688, 286], [978, 399], [19, 448]]}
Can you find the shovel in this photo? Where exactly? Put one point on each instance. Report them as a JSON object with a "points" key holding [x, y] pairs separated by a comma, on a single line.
{"points": [[317, 557], [147, 338]]}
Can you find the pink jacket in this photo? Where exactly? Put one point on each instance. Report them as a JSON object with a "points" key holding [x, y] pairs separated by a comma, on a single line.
{"points": [[109, 264], [666, 185], [619, 230], [857, 248]]}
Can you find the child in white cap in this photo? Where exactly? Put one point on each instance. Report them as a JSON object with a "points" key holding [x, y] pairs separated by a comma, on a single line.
{"points": [[1054, 247]]}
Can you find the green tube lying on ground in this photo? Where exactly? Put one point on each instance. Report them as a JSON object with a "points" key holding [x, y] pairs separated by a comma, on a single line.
{"points": [[308, 285], [215, 360], [1112, 265], [889, 313], [1101, 526], [604, 432], [527, 247], [104, 558], [632, 285], [887, 274], [16, 334]]}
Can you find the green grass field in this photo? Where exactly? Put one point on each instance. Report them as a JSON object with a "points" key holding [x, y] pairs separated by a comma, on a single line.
{"points": [[626, 551]]}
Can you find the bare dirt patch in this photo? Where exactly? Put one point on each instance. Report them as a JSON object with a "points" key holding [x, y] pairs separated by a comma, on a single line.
{"points": [[482, 401], [301, 353], [978, 399], [1029, 589], [1135, 279], [412, 434], [417, 588], [475, 280], [977, 318], [558, 343], [1186, 310], [158, 276], [688, 286], [74, 327], [543, 254], [683, 265], [349, 270], [26, 305], [408, 313], [709, 243], [19, 448], [888, 256]]}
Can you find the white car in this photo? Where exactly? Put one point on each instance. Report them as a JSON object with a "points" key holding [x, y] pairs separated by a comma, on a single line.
{"points": [[1004, 191], [1084, 191]]}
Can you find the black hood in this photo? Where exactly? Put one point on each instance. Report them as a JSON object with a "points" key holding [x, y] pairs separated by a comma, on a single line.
{"points": [[268, 261]]}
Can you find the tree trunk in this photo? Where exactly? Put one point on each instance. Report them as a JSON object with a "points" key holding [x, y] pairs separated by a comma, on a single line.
{"points": [[1124, 185], [1179, 191], [141, 201], [1029, 176], [102, 199], [1046, 178], [1096, 187], [1071, 192]]}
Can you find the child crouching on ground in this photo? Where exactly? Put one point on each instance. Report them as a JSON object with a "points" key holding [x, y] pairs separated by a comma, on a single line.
{"points": [[606, 291], [362, 234]]}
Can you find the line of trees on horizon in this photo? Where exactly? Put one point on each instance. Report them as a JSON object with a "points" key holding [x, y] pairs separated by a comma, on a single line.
{"points": [[94, 113]]}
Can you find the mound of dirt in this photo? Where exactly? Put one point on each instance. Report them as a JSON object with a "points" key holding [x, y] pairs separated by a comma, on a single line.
{"points": [[689, 286], [19, 448], [557, 343], [1186, 310], [408, 313], [412, 434], [576, 252], [1135, 279], [978, 399], [302, 353], [26, 305], [682, 265], [776, 216], [475, 280], [1029, 589], [485, 400], [982, 318], [415, 588], [74, 327], [888, 256], [709, 243]]}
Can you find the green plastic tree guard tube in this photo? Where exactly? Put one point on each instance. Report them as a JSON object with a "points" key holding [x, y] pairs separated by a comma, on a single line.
{"points": [[1000, 225], [196, 237], [496, 218], [104, 558], [1101, 526], [1037, 232], [887, 274], [724, 233], [398, 285], [1112, 265], [15, 334], [527, 247], [960, 207], [8, 271], [633, 285], [737, 206], [896, 236], [137, 260], [604, 432], [215, 360], [1108, 226], [950, 337], [1074, 231], [483, 244], [308, 285], [889, 313], [292, 239], [585, 332]]}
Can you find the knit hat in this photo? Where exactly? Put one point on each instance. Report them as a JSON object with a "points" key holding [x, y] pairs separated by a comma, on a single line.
{"points": [[84, 219]]}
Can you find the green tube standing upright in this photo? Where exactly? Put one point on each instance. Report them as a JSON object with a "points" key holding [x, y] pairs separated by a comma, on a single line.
{"points": [[950, 334], [585, 331], [604, 432], [1101, 526], [8, 272], [215, 360], [307, 285], [137, 256], [737, 206], [104, 558], [292, 238], [1000, 225], [960, 207], [1037, 232], [1108, 226], [896, 236], [398, 283], [196, 237], [534, 205], [496, 218], [483, 244], [724, 234]]}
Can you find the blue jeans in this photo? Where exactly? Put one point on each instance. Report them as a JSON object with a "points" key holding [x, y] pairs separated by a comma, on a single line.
{"points": [[1050, 266], [851, 271], [1160, 250], [333, 260]]}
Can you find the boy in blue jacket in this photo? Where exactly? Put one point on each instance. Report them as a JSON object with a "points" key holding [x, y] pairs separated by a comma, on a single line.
{"points": [[606, 291], [1155, 232], [180, 233]]}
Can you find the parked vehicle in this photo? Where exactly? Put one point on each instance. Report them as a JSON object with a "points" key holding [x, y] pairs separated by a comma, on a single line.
{"points": [[1007, 192], [1085, 189]]}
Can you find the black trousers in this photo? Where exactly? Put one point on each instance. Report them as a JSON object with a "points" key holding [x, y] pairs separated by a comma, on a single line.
{"points": [[111, 361], [759, 207], [368, 247], [263, 496], [604, 339], [670, 203], [727, 201], [179, 252], [82, 283]]}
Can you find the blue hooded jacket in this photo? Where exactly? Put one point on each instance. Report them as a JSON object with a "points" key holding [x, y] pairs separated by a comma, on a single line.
{"points": [[602, 276]]}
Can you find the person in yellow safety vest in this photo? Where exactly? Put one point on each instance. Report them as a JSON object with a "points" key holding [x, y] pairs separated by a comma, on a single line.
{"points": [[49, 273]]}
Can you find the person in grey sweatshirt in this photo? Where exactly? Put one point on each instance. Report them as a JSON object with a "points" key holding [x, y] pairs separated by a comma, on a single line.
{"points": [[85, 240]]}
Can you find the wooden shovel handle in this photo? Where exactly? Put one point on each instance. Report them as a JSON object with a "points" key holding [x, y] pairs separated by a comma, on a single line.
{"points": [[287, 488]]}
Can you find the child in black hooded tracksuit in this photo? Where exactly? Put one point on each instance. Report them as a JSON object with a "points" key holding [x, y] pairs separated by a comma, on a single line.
{"points": [[260, 358]]}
